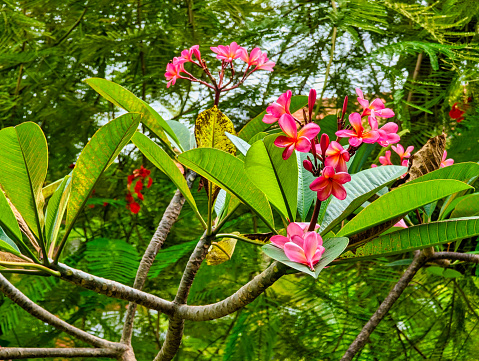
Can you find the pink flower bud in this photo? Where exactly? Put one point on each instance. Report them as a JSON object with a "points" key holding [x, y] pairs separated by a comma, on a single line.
{"points": [[307, 165], [324, 143], [311, 101], [345, 106]]}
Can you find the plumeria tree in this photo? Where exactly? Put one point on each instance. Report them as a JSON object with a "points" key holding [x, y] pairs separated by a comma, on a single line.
{"points": [[300, 175]]}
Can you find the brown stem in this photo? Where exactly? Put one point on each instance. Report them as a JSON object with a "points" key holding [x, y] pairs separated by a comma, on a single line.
{"points": [[15, 353], [465, 257], [169, 218], [392, 297], [314, 218], [415, 74]]}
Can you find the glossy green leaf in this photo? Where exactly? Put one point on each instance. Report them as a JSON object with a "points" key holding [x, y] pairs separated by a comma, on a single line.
{"points": [[418, 237], [125, 99], [306, 196], [360, 158], [239, 143], [275, 177], [467, 207], [49, 189], [7, 245], [257, 125], [185, 136], [55, 211], [23, 168], [7, 218], [228, 172], [401, 201], [98, 154], [362, 186], [448, 207], [162, 161], [334, 248], [459, 171]]}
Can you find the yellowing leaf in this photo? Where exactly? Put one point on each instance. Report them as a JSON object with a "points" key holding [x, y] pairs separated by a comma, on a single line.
{"points": [[221, 251], [210, 129]]}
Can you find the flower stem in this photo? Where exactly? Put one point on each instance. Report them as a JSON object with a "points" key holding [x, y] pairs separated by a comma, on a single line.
{"points": [[314, 218]]}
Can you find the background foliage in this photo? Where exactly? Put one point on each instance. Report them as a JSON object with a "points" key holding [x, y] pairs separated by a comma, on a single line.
{"points": [[48, 48]]}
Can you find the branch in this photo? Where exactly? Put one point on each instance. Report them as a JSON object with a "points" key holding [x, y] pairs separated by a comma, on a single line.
{"points": [[466, 257], [245, 295], [169, 218], [114, 289], [392, 297], [73, 27], [36, 311], [20, 353]]}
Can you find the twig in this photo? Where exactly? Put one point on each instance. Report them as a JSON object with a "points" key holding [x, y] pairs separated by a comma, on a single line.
{"points": [[169, 218], [465, 257], [21, 353], [72, 28], [392, 297]]}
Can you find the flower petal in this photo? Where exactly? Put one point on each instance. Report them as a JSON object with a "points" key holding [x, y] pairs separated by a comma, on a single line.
{"points": [[294, 229], [385, 113], [288, 151], [376, 104], [319, 183], [283, 142], [279, 241], [303, 145], [346, 133], [288, 125], [355, 120], [324, 193], [338, 191], [309, 131], [310, 245], [342, 177], [294, 252]]}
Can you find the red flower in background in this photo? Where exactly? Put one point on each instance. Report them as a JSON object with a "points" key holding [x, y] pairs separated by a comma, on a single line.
{"points": [[141, 175], [456, 113]]}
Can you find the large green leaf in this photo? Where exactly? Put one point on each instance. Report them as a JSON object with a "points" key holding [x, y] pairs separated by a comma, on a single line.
{"points": [[7, 218], [274, 176], [257, 125], [184, 135], [417, 237], [55, 211], [23, 168], [162, 161], [95, 158], [305, 195], [460, 171], [7, 245], [362, 186], [127, 100], [467, 207], [334, 247], [228, 172], [401, 201]]}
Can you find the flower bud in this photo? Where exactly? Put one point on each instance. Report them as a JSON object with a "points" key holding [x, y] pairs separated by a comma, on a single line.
{"points": [[324, 143], [307, 165], [311, 101]]}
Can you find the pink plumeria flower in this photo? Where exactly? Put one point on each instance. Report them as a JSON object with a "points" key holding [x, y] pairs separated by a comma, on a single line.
{"points": [[294, 231], [386, 160], [173, 71], [278, 108], [375, 109], [330, 183], [228, 52], [403, 153], [305, 225], [187, 54], [358, 135], [405, 162], [253, 58], [401, 224], [337, 157], [301, 141], [265, 64], [446, 162], [309, 253], [388, 134]]}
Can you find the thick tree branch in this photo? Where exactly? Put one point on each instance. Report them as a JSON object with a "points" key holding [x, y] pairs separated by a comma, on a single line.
{"points": [[245, 295], [114, 289], [392, 297], [169, 218], [20, 353], [466, 257], [36, 311]]}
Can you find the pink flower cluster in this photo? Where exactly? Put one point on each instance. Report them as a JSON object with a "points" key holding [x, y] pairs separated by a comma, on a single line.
{"points": [[300, 245], [255, 60], [404, 155]]}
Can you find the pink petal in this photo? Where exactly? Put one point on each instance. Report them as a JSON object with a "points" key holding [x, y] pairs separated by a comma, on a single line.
{"points": [[377, 104], [355, 120], [328, 172], [364, 103], [359, 92], [338, 191], [342, 165], [279, 241], [294, 252], [401, 223], [318, 254], [346, 133], [310, 245], [409, 150], [332, 161], [373, 122], [303, 145], [444, 156], [298, 240], [334, 148], [325, 192], [283, 142], [370, 137], [390, 127], [342, 177], [386, 113], [309, 131], [355, 141], [275, 109], [269, 119], [288, 125], [285, 100], [294, 229], [288, 151], [319, 183], [404, 163]]}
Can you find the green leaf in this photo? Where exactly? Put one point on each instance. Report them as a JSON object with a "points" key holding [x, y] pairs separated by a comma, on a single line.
{"points": [[448, 207], [162, 161], [239, 143], [460, 171], [418, 107], [7, 245], [23, 168], [329, 125], [184, 135], [95, 158], [360, 158], [362, 186], [257, 125], [305, 195], [49, 189], [334, 248], [55, 211], [7, 218], [127, 100], [467, 207], [274, 176], [228, 172], [418, 237], [401, 201]]}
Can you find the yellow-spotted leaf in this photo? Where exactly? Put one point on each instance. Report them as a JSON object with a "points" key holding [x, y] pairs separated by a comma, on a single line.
{"points": [[23, 168], [221, 251], [210, 128]]}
